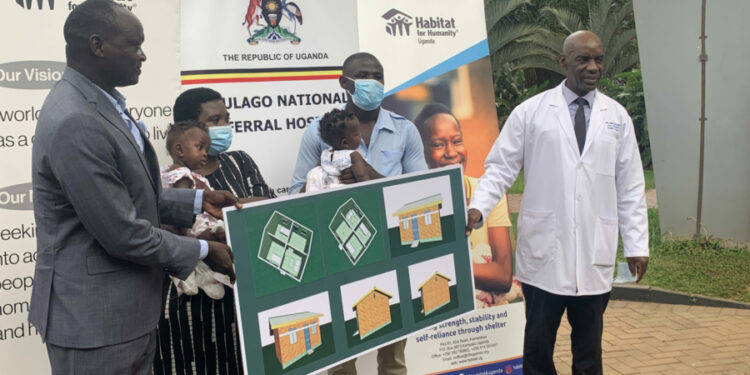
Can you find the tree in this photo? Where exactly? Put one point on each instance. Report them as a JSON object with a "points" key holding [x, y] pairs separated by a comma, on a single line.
{"points": [[515, 40], [627, 89], [611, 20], [512, 41], [511, 90]]}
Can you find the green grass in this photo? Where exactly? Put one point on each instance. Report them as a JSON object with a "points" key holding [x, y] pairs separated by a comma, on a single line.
{"points": [[517, 187], [648, 175], [701, 266]]}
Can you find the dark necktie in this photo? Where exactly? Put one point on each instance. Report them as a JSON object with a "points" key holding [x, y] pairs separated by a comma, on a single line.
{"points": [[580, 124]]}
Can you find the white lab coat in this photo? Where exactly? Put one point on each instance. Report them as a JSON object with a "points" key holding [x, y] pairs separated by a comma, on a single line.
{"points": [[572, 202]]}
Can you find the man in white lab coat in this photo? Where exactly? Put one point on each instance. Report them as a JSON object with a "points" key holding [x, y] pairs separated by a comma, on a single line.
{"points": [[583, 179]]}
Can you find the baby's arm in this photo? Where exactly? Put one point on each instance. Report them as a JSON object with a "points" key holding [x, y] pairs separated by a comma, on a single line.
{"points": [[218, 236], [183, 183], [213, 230], [201, 185]]}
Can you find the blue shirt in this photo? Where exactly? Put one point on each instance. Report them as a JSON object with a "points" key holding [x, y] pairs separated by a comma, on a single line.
{"points": [[137, 129], [570, 98], [395, 148]]}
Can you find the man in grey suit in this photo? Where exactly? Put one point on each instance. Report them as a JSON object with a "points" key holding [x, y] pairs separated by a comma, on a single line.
{"points": [[98, 205]]}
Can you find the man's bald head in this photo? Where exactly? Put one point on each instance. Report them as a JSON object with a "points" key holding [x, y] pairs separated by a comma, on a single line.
{"points": [[579, 37], [583, 61], [88, 18], [103, 42]]}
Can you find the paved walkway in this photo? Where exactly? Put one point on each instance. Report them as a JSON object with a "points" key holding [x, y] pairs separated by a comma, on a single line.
{"points": [[653, 338], [514, 201]]}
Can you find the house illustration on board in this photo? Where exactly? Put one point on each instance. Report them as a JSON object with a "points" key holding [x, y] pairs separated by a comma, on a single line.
{"points": [[352, 229], [295, 336], [373, 312], [285, 245], [419, 221], [435, 292]]}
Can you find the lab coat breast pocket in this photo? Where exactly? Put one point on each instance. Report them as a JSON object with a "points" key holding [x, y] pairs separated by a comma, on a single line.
{"points": [[605, 242], [606, 156], [536, 233]]}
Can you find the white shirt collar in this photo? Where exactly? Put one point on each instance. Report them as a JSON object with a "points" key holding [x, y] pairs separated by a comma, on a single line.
{"points": [[570, 96]]}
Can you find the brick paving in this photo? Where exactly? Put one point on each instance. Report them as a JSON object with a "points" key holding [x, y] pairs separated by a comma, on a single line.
{"points": [[654, 338]]}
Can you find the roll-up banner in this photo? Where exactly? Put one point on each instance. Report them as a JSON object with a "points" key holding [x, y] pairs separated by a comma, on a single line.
{"points": [[437, 52], [33, 60]]}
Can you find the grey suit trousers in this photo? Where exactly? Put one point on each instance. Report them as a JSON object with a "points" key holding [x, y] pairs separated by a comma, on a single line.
{"points": [[134, 357]]}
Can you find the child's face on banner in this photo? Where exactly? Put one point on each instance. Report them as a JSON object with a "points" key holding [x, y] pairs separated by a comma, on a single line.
{"points": [[445, 145]]}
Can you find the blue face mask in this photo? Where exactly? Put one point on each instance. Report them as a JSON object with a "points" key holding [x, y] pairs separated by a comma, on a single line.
{"points": [[221, 139], [368, 93]]}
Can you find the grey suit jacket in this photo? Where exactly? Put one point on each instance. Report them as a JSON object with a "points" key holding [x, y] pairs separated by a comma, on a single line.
{"points": [[98, 204]]}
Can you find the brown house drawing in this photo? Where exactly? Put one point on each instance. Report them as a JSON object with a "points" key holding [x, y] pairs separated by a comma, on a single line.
{"points": [[373, 312], [435, 292], [419, 221], [295, 336]]}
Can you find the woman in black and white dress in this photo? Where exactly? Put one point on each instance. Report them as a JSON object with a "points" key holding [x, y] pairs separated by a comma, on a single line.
{"points": [[199, 335]]}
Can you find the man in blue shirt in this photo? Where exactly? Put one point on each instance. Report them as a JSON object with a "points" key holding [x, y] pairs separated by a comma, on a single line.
{"points": [[391, 144]]}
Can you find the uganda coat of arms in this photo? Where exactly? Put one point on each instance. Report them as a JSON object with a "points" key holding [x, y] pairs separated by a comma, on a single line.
{"points": [[264, 19]]}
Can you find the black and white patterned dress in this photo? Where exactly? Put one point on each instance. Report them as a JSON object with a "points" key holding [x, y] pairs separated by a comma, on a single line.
{"points": [[198, 335]]}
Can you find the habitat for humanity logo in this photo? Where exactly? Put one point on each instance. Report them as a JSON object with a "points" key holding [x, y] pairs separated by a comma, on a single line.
{"points": [[398, 22], [28, 4], [39, 3], [265, 18], [30, 75], [427, 28]]}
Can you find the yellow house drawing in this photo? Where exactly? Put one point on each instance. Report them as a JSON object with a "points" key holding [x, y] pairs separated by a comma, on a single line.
{"points": [[435, 292], [419, 221], [373, 312], [295, 336]]}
